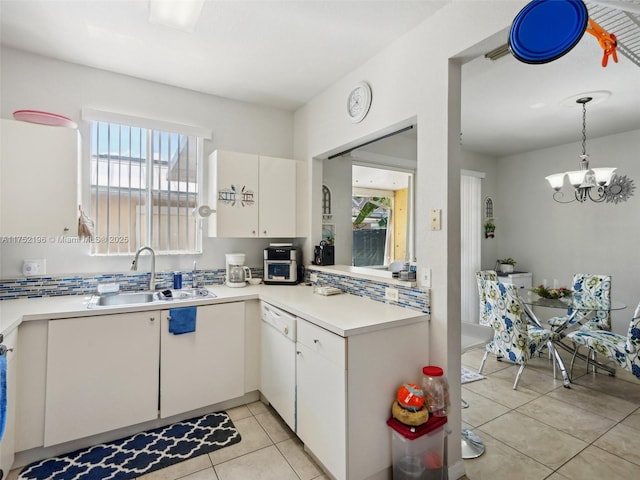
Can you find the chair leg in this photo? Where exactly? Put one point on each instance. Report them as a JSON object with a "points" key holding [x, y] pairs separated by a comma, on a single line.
{"points": [[515, 384], [484, 359]]}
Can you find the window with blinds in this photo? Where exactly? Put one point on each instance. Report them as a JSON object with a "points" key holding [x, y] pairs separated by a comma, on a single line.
{"points": [[144, 185]]}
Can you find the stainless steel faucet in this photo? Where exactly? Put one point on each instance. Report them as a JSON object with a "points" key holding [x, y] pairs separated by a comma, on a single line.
{"points": [[194, 277], [134, 266]]}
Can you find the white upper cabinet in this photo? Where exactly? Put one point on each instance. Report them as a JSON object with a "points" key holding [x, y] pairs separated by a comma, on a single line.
{"points": [[38, 179], [253, 196]]}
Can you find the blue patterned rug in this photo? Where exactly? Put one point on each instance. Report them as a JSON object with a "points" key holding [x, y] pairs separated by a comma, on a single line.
{"points": [[142, 453]]}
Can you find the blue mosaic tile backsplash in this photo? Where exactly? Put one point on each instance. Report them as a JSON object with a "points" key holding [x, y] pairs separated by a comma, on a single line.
{"points": [[408, 297], [51, 286]]}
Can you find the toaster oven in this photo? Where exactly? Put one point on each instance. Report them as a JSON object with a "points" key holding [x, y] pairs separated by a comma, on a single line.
{"points": [[281, 265]]}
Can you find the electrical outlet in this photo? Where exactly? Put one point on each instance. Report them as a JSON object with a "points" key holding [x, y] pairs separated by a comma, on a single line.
{"points": [[391, 294], [425, 278], [313, 277], [34, 267]]}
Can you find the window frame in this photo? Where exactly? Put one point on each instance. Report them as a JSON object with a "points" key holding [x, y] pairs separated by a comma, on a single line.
{"points": [[85, 182]]}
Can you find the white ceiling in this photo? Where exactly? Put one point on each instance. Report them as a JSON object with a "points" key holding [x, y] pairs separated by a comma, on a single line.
{"points": [[284, 53]]}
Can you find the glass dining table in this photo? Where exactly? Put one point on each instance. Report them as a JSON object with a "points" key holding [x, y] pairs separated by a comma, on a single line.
{"points": [[569, 305]]}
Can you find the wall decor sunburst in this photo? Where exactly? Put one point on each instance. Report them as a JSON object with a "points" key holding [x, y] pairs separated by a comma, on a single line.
{"points": [[619, 189]]}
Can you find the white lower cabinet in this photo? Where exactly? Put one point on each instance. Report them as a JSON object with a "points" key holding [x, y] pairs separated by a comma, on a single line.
{"points": [[205, 367], [102, 374], [321, 395], [345, 387]]}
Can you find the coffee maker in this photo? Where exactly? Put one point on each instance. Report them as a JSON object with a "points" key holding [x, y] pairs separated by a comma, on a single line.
{"points": [[237, 273]]}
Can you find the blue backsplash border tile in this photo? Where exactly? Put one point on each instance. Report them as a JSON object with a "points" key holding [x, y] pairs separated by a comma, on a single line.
{"points": [[52, 286]]}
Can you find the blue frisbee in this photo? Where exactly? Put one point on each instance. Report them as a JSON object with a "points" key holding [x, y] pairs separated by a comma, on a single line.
{"points": [[545, 30]]}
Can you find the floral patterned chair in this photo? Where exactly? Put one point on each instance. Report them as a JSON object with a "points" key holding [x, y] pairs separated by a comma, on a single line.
{"points": [[625, 351], [588, 289], [513, 337], [481, 279]]}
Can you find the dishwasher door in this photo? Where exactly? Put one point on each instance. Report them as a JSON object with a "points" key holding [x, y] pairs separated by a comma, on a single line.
{"points": [[278, 361]]}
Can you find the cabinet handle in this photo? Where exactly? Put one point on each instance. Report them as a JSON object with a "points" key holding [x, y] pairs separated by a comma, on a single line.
{"points": [[253, 231], [265, 232], [298, 352], [152, 319], [316, 341], [4, 349]]}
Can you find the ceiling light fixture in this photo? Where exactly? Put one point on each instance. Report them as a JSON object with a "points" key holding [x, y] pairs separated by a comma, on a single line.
{"points": [[180, 14], [595, 184]]}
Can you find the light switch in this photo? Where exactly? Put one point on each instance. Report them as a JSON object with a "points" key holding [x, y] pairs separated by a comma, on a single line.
{"points": [[436, 215], [425, 278]]}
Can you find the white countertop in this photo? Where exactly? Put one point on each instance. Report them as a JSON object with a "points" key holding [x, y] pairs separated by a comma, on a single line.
{"points": [[342, 314]]}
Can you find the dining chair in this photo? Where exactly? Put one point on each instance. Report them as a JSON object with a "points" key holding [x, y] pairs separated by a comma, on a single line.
{"points": [[625, 351], [513, 337], [481, 279], [589, 290]]}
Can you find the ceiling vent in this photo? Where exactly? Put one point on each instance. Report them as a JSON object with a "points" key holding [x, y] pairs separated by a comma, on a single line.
{"points": [[497, 53]]}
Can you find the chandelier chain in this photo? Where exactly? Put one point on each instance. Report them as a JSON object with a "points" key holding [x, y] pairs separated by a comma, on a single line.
{"points": [[584, 130]]}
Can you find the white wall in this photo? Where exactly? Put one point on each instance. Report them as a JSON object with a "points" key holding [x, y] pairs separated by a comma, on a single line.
{"points": [[33, 82], [337, 176], [413, 81], [554, 240]]}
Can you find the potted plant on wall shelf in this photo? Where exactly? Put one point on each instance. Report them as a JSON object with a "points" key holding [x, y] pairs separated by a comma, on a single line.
{"points": [[489, 229], [506, 264]]}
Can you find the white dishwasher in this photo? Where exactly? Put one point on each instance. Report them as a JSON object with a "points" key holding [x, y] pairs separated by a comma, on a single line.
{"points": [[278, 361]]}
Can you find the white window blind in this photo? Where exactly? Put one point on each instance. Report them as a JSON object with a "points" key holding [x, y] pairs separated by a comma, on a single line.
{"points": [[471, 235], [145, 184]]}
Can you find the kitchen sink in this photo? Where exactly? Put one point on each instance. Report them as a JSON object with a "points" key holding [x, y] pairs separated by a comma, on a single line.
{"points": [[161, 296], [125, 298]]}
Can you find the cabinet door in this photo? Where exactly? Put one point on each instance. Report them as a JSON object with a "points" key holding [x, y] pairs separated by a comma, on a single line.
{"points": [[102, 374], [277, 197], [204, 367], [234, 193], [321, 399], [38, 179]]}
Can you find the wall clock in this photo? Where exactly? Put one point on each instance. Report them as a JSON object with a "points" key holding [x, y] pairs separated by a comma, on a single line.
{"points": [[358, 102]]}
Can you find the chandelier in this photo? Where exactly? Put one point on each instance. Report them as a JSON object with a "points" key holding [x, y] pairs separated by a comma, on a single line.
{"points": [[595, 184]]}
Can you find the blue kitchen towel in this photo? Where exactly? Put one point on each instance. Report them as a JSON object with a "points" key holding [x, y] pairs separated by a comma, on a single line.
{"points": [[3, 393], [182, 320]]}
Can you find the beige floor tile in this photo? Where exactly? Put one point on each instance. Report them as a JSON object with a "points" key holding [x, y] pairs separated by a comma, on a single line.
{"points": [[481, 409], [543, 443], [181, 469], [257, 407], [537, 376], [208, 474], [633, 420], [500, 390], [557, 476], [622, 441], [595, 464], [238, 413], [602, 382], [253, 438], [300, 461], [501, 462], [472, 359], [600, 403], [275, 427], [265, 464], [579, 423], [13, 474]]}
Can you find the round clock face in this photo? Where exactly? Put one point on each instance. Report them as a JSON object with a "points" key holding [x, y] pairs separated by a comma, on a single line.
{"points": [[359, 101]]}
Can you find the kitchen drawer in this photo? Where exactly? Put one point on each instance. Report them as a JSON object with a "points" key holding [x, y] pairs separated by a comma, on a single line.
{"points": [[327, 344]]}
